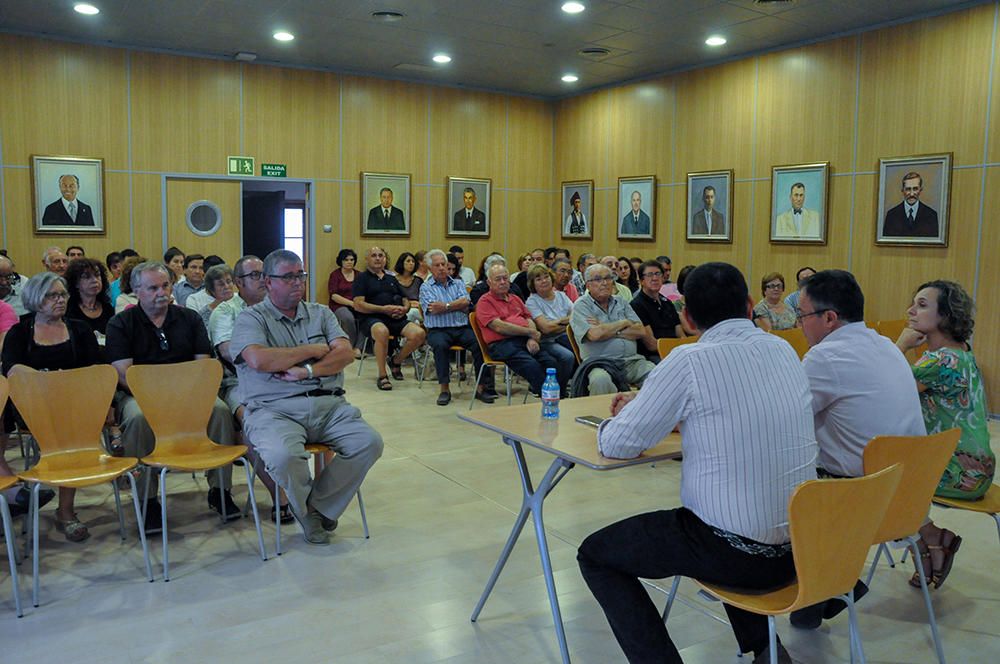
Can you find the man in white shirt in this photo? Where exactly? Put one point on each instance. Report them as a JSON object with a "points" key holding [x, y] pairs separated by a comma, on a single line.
{"points": [[861, 385], [743, 458]]}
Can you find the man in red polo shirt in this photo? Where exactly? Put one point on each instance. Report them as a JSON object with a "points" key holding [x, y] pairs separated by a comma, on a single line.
{"points": [[511, 335]]}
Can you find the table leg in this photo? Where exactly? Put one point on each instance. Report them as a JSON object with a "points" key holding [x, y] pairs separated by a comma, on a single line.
{"points": [[532, 501]]}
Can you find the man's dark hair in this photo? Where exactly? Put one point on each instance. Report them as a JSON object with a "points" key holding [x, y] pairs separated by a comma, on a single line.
{"points": [[193, 257], [664, 260], [550, 253], [563, 250], [455, 249], [171, 253], [836, 290], [682, 277], [75, 246], [112, 258], [212, 261], [647, 265], [128, 253], [715, 292], [798, 275]]}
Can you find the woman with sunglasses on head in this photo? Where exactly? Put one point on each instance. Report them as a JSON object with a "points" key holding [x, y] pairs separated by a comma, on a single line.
{"points": [[951, 395], [46, 340]]}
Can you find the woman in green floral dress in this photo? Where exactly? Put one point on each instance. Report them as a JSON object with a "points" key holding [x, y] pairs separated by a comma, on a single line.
{"points": [[951, 396]]}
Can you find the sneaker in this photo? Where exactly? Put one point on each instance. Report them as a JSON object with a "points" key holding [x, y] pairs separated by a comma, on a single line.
{"points": [[313, 531], [154, 521], [444, 398], [232, 511]]}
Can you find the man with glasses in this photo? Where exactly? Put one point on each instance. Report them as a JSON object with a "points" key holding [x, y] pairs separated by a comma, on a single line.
{"points": [[382, 305], [606, 326], [564, 278], [582, 263], [657, 313], [611, 262], [9, 282], [290, 357], [156, 332], [861, 386]]}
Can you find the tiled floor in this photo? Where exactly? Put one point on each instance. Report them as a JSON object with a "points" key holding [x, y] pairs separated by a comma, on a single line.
{"points": [[440, 503]]}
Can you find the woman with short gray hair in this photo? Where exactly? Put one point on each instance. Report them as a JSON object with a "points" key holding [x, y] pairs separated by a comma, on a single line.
{"points": [[220, 284]]}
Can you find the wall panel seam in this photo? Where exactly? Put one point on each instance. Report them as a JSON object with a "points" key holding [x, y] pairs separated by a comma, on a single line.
{"points": [[986, 153], [3, 197], [128, 138], [340, 158], [753, 161], [854, 156]]}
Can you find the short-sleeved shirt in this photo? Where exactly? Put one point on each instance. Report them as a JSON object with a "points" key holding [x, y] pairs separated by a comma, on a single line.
{"points": [[200, 300], [659, 314], [378, 291], [263, 325], [618, 309], [132, 336], [183, 290], [491, 308], [223, 319], [432, 291], [8, 317], [955, 398], [554, 309], [571, 292], [339, 285], [411, 292], [779, 321]]}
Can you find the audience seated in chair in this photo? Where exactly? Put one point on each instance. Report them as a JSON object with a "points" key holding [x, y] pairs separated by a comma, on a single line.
{"points": [[445, 304], [606, 326], [382, 305], [550, 309], [340, 286], [157, 332], [657, 313], [294, 394], [194, 278]]}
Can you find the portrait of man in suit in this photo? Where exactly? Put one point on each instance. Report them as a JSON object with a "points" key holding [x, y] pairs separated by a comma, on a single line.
{"points": [[912, 217], [798, 221], [708, 220], [385, 216], [68, 210], [635, 221], [469, 218]]}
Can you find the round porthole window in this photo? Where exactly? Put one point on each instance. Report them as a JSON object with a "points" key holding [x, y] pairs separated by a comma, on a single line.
{"points": [[204, 218]]}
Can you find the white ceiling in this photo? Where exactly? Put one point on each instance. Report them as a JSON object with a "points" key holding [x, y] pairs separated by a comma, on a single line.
{"points": [[515, 46]]}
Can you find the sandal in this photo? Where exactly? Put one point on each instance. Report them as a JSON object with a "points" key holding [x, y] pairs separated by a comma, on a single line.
{"points": [[74, 529], [948, 551], [925, 562], [396, 370], [286, 514], [382, 383]]}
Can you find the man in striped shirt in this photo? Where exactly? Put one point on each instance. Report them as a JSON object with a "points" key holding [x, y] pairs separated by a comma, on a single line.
{"points": [[742, 402]]}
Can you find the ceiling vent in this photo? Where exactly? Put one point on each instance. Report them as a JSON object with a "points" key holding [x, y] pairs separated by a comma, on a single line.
{"points": [[769, 3], [594, 52]]}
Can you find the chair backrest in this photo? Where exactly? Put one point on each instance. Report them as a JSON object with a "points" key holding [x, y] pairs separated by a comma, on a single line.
{"points": [[65, 410], [479, 339], [796, 337], [924, 459], [892, 329], [176, 399], [575, 346], [832, 525], [664, 346]]}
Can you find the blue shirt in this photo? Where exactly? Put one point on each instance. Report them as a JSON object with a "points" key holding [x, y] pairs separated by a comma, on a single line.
{"points": [[182, 290], [432, 291]]}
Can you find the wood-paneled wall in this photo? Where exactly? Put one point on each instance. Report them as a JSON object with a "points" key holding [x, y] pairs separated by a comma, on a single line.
{"points": [[921, 87]]}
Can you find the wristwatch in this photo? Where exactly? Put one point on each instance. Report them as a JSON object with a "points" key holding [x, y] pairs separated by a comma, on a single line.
{"points": [[618, 333], [447, 306], [309, 369]]}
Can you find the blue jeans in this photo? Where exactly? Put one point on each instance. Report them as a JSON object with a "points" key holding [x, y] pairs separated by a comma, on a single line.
{"points": [[514, 352]]}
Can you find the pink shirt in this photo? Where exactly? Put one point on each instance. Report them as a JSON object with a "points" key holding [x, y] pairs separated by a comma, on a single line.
{"points": [[571, 292], [8, 317], [490, 308]]}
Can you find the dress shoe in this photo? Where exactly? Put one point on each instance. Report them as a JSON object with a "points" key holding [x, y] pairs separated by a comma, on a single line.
{"points": [[312, 529], [765, 656], [444, 398], [22, 501], [486, 397], [232, 511]]}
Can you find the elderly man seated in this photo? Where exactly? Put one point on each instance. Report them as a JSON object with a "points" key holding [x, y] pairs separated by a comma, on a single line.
{"points": [[657, 313], [382, 305], [611, 262], [512, 336], [157, 332], [606, 326], [445, 304]]}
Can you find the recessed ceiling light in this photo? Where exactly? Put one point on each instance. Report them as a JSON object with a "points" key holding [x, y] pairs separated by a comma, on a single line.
{"points": [[284, 36], [570, 78], [573, 7], [84, 8], [441, 59], [716, 40], [387, 16]]}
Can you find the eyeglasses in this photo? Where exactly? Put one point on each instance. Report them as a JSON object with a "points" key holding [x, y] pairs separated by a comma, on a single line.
{"points": [[652, 274], [11, 278], [164, 344], [598, 280], [777, 286], [254, 276], [60, 295], [564, 270], [291, 277], [813, 313]]}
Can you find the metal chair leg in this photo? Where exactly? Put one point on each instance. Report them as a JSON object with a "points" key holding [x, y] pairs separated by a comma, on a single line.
{"points": [[253, 505], [364, 519], [277, 522], [772, 640], [364, 353], [855, 632], [163, 523], [118, 507], [34, 543], [670, 598], [8, 533], [939, 649], [142, 526], [996, 517], [479, 380]]}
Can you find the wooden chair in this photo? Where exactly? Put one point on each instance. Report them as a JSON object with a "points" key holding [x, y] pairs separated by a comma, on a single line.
{"points": [[65, 411], [892, 329], [832, 525], [575, 346], [989, 504], [923, 459], [458, 350], [488, 362], [179, 420], [796, 337], [664, 346]]}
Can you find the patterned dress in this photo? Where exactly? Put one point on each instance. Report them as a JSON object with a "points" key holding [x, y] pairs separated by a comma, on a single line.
{"points": [[955, 398], [779, 321]]}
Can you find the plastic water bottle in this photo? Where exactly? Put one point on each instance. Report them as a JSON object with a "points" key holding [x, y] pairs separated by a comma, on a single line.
{"points": [[550, 396]]}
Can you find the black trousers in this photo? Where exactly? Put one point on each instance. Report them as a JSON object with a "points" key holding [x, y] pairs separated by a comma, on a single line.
{"points": [[662, 544], [442, 338]]}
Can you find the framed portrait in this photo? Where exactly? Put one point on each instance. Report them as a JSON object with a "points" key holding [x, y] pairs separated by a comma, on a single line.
{"points": [[68, 194], [914, 195], [469, 207], [637, 208], [710, 206], [385, 204], [577, 206], [799, 195]]}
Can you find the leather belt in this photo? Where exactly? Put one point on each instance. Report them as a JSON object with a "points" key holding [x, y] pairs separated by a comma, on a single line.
{"points": [[323, 393]]}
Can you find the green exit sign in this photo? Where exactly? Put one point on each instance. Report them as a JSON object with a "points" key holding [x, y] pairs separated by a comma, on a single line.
{"points": [[273, 170], [240, 165]]}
